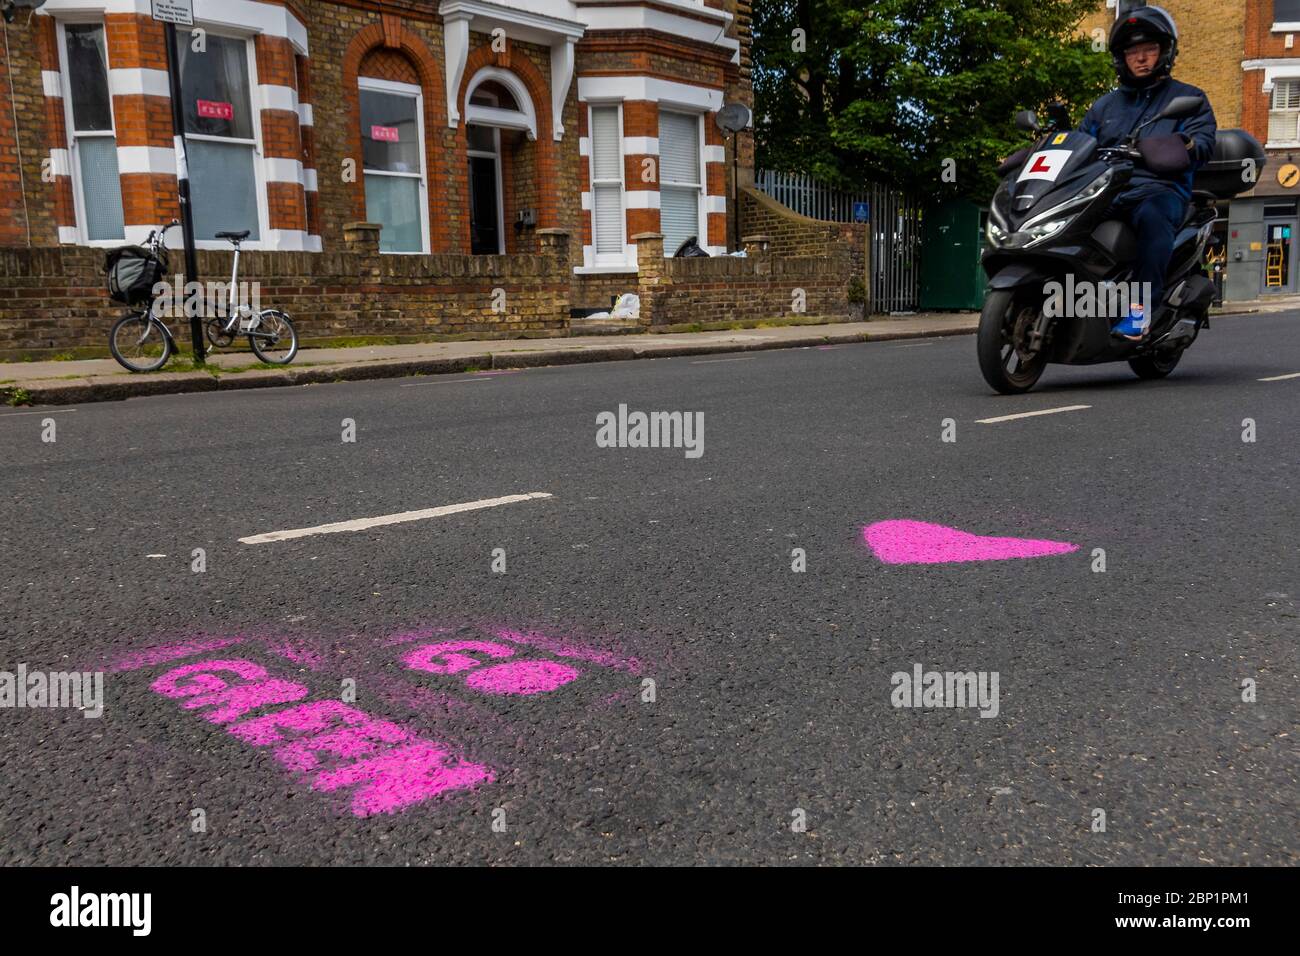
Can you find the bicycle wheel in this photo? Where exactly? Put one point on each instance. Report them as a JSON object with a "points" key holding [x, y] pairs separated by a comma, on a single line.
{"points": [[274, 340], [139, 342]]}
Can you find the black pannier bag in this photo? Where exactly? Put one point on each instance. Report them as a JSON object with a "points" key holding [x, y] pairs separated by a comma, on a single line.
{"points": [[132, 272], [1228, 173]]}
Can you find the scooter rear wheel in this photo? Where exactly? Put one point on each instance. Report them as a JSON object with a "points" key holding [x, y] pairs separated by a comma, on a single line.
{"points": [[1155, 365], [1004, 323]]}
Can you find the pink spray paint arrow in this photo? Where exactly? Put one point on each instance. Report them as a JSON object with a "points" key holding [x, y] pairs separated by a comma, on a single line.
{"points": [[920, 542]]}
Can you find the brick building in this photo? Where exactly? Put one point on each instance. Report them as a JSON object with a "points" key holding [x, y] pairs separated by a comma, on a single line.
{"points": [[1244, 54], [302, 115], [524, 133]]}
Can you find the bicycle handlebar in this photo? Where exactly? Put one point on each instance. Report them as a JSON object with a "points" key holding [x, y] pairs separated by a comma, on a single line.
{"points": [[156, 235]]}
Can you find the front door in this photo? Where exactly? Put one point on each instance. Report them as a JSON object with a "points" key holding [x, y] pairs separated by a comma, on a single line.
{"points": [[485, 191], [1279, 255]]}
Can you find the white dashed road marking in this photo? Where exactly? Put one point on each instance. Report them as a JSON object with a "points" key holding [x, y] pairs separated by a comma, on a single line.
{"points": [[1279, 378], [361, 524], [743, 358], [456, 381], [1043, 411], [61, 411]]}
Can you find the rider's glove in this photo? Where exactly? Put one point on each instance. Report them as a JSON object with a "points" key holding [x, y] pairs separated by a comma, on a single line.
{"points": [[1165, 155]]}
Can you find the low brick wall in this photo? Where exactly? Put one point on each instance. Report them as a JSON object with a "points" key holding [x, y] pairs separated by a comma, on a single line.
{"points": [[756, 286], [793, 235], [53, 300], [596, 290], [731, 289]]}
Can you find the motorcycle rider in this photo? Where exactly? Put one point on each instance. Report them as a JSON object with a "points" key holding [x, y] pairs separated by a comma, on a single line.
{"points": [[1143, 48]]}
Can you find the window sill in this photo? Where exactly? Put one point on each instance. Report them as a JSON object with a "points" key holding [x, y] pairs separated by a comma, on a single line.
{"points": [[604, 270]]}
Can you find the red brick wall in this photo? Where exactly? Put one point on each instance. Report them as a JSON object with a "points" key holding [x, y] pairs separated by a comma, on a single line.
{"points": [[1261, 43], [643, 53], [136, 41], [311, 197], [342, 35], [44, 202], [13, 218]]}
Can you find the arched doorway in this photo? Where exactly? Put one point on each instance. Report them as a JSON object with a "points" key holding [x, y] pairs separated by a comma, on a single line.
{"points": [[500, 134]]}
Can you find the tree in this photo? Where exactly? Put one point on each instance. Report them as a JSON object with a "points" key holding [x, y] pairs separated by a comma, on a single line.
{"points": [[888, 90]]}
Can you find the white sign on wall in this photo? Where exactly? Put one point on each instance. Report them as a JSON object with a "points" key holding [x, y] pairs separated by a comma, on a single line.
{"points": [[174, 11]]}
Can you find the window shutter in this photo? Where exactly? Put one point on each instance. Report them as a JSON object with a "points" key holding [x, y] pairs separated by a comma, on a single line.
{"points": [[607, 182], [679, 179], [679, 216], [607, 220], [1286, 95], [606, 147], [1282, 127], [1284, 111], [679, 148]]}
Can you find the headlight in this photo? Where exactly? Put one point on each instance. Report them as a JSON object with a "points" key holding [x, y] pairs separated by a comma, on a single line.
{"points": [[1045, 230], [1095, 187], [995, 233], [1089, 193]]}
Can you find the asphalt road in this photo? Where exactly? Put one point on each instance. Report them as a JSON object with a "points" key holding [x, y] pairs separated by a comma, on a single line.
{"points": [[650, 574]]}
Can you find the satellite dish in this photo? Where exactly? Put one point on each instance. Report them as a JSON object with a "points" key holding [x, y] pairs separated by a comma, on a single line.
{"points": [[733, 117], [8, 7]]}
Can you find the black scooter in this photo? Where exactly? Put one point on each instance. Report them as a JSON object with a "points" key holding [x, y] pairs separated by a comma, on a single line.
{"points": [[1049, 235]]}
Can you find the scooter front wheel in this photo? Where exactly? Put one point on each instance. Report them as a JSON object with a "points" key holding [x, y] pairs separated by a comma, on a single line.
{"points": [[1002, 339]]}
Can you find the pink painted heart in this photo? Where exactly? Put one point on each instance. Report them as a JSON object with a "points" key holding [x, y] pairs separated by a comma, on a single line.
{"points": [[920, 542]]}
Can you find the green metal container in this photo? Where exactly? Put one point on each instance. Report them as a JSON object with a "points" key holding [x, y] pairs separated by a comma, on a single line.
{"points": [[952, 239]]}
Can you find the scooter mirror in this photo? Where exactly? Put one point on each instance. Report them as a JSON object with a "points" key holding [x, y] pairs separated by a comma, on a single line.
{"points": [[1027, 120], [1181, 107], [1058, 114]]}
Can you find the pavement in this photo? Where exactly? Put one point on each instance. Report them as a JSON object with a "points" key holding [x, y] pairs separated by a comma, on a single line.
{"points": [[90, 380], [557, 652], [93, 380]]}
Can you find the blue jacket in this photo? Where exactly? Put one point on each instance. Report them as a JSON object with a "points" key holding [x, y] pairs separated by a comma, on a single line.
{"points": [[1114, 116]]}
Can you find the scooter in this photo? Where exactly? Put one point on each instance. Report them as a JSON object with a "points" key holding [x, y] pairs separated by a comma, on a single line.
{"points": [[1050, 239]]}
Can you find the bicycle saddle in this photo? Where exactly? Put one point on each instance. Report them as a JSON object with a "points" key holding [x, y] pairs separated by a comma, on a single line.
{"points": [[234, 236]]}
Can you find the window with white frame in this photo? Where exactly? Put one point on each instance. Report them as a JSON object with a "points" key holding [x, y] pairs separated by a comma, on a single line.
{"points": [[680, 185], [93, 139], [221, 137], [608, 225], [1286, 11], [392, 146], [1284, 111]]}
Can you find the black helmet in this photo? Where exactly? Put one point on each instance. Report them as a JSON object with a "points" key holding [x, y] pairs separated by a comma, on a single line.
{"points": [[1144, 25]]}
